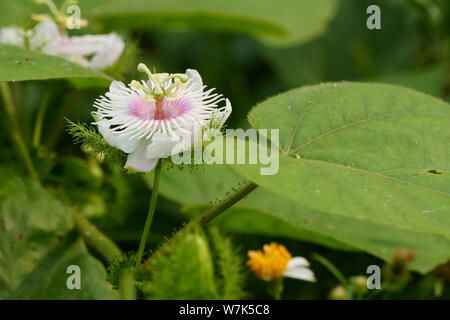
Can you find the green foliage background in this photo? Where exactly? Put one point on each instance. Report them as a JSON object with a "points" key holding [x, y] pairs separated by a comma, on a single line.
{"points": [[354, 196]]}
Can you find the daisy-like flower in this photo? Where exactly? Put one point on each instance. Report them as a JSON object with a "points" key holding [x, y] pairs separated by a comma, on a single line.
{"points": [[275, 262], [49, 37], [158, 118]]}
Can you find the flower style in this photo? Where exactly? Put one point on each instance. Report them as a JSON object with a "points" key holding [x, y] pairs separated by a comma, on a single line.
{"points": [[275, 261], [161, 117], [49, 37]]}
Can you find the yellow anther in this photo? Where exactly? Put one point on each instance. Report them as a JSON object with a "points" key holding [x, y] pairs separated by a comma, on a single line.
{"points": [[161, 77], [147, 97], [270, 263], [174, 95], [40, 17], [136, 86]]}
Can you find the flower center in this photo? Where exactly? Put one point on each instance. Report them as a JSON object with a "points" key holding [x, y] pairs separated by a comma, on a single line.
{"points": [[270, 263], [160, 109], [163, 85], [159, 114]]}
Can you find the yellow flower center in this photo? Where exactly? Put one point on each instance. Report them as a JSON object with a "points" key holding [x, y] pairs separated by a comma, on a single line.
{"points": [[270, 263]]}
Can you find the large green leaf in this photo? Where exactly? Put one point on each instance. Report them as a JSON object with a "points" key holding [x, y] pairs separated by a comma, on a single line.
{"points": [[211, 184], [284, 23], [292, 221], [370, 152], [263, 212], [18, 64], [37, 245]]}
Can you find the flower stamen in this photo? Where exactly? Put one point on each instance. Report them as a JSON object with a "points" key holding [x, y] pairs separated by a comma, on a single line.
{"points": [[158, 80], [270, 263]]}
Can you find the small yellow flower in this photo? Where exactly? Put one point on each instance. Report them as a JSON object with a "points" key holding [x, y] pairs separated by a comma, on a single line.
{"points": [[275, 261]]}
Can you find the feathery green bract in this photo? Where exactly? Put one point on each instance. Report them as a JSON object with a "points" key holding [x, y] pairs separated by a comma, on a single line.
{"points": [[229, 266], [92, 141], [196, 267]]}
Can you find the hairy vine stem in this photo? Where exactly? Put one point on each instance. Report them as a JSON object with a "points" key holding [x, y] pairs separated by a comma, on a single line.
{"points": [[204, 219], [126, 285], [95, 238]]}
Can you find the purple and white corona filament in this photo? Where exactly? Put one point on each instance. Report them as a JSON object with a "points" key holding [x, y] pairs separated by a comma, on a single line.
{"points": [[158, 118]]}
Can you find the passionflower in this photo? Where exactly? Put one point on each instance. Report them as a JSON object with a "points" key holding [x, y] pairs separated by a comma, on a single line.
{"points": [[49, 37], [275, 262], [155, 119]]}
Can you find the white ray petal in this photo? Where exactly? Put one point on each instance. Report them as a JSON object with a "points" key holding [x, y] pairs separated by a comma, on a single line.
{"points": [[114, 139], [300, 273], [138, 161]]}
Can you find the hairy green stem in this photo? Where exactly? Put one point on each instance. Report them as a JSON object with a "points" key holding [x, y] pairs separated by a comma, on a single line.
{"points": [[224, 205], [40, 119], [151, 213], [126, 285], [95, 238], [205, 218], [16, 133]]}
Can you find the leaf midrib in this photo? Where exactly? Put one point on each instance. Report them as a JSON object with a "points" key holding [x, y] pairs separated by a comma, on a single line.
{"points": [[374, 174]]}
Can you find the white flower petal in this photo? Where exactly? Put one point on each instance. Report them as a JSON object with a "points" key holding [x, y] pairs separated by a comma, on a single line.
{"points": [[96, 51], [195, 79], [115, 139], [138, 161], [111, 48], [223, 115], [118, 87], [300, 273], [160, 146], [13, 36], [163, 146], [298, 262], [44, 37]]}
